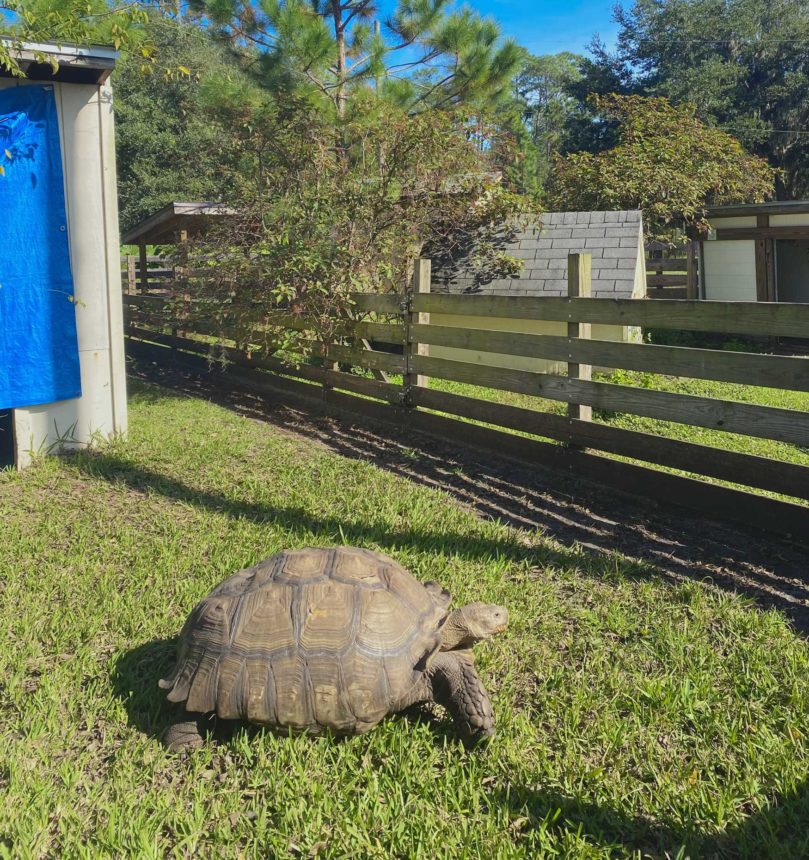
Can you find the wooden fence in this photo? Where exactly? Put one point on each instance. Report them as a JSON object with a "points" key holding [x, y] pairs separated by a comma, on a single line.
{"points": [[472, 419], [672, 277]]}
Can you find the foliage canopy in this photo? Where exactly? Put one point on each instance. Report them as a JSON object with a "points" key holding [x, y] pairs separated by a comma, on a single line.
{"points": [[667, 163]]}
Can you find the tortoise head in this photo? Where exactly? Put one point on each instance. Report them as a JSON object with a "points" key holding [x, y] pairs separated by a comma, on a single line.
{"points": [[471, 623]]}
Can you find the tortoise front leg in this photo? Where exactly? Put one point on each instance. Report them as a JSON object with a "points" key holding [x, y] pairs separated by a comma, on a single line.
{"points": [[186, 733], [457, 686]]}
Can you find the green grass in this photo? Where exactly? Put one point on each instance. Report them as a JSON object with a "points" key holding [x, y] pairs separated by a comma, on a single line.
{"points": [[636, 718]]}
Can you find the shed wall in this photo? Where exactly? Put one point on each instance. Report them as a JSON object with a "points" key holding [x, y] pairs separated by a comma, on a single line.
{"points": [[88, 160], [729, 270]]}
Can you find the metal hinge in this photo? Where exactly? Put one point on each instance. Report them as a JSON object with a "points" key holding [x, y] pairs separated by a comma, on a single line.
{"points": [[403, 396]]}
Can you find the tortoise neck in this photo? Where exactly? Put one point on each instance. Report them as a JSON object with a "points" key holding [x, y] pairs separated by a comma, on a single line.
{"points": [[455, 633]]}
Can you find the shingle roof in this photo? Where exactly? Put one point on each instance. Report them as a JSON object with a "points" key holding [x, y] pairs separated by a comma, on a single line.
{"points": [[614, 239]]}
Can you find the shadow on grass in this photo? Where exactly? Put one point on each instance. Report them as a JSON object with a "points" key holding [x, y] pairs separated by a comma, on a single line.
{"points": [[778, 832], [678, 544], [116, 469]]}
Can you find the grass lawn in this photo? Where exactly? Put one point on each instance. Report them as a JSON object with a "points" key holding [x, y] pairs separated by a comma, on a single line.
{"points": [[636, 718]]}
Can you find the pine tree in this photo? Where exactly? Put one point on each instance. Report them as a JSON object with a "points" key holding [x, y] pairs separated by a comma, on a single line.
{"points": [[425, 54]]}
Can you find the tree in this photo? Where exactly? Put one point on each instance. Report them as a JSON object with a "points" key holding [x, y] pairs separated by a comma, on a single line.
{"points": [[543, 92], [326, 210], [743, 63], [667, 163], [167, 147], [421, 56]]}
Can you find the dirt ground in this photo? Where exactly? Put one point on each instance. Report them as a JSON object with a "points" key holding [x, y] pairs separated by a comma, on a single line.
{"points": [[679, 543]]}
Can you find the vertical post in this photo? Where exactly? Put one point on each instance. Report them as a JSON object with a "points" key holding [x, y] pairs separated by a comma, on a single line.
{"points": [[422, 283], [131, 276], [691, 270], [144, 269], [579, 286], [422, 277]]}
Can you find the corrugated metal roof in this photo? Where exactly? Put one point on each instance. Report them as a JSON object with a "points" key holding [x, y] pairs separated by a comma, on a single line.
{"points": [[613, 239]]}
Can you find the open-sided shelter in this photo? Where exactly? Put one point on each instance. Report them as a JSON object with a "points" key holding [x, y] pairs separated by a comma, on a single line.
{"points": [[62, 376]]}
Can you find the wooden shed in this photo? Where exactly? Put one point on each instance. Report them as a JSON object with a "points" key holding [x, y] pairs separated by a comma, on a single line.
{"points": [[62, 374], [757, 252]]}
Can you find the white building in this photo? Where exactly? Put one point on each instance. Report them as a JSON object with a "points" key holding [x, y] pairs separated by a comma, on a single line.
{"points": [[757, 252], [83, 107]]}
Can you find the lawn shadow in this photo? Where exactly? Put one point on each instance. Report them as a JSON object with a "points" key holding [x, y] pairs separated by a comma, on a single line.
{"points": [[607, 828], [675, 543], [778, 832]]}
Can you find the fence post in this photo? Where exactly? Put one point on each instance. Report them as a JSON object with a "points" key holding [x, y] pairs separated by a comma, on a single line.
{"points": [[691, 270], [131, 276], [144, 268], [422, 277], [579, 285]]}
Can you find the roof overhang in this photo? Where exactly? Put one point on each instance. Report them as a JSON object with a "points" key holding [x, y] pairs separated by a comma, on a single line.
{"points": [[776, 207], [164, 226], [77, 64]]}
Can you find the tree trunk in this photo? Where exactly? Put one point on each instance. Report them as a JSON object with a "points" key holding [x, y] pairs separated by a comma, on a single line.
{"points": [[340, 36]]}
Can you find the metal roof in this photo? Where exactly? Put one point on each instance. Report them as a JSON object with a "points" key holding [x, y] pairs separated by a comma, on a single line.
{"points": [[163, 226], [775, 207], [613, 239], [78, 64]]}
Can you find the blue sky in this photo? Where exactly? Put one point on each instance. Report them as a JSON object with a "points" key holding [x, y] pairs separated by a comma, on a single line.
{"points": [[550, 26]]}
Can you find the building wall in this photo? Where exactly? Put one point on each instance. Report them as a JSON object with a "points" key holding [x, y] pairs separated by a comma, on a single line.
{"points": [[88, 161]]}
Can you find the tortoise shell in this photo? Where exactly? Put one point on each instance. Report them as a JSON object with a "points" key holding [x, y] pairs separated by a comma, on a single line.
{"points": [[307, 640]]}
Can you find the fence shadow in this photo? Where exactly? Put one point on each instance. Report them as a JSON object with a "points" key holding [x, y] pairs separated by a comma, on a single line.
{"points": [[679, 544]]}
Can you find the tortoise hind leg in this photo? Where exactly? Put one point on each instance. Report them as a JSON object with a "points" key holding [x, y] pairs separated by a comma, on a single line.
{"points": [[186, 733], [457, 686]]}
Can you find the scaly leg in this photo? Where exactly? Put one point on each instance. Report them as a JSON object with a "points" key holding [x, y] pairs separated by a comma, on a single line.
{"points": [[186, 733], [457, 686]]}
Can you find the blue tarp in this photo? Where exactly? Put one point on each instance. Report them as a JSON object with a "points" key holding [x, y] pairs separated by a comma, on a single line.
{"points": [[39, 354]]}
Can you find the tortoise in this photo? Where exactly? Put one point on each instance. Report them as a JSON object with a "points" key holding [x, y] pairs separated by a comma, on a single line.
{"points": [[317, 640]]}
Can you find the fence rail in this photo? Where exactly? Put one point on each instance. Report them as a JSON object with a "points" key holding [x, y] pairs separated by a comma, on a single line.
{"points": [[671, 277], [404, 322]]}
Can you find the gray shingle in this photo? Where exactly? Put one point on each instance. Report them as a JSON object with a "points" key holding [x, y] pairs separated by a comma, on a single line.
{"points": [[613, 239]]}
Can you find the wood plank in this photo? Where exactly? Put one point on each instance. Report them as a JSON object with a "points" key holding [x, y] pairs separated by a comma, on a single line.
{"points": [[380, 332], [422, 282], [774, 371], [531, 421], [753, 471], [747, 419], [579, 285], [778, 318], [667, 293], [718, 502], [667, 264], [379, 303], [715, 502], [502, 378], [665, 280], [767, 422], [367, 358], [691, 285]]}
